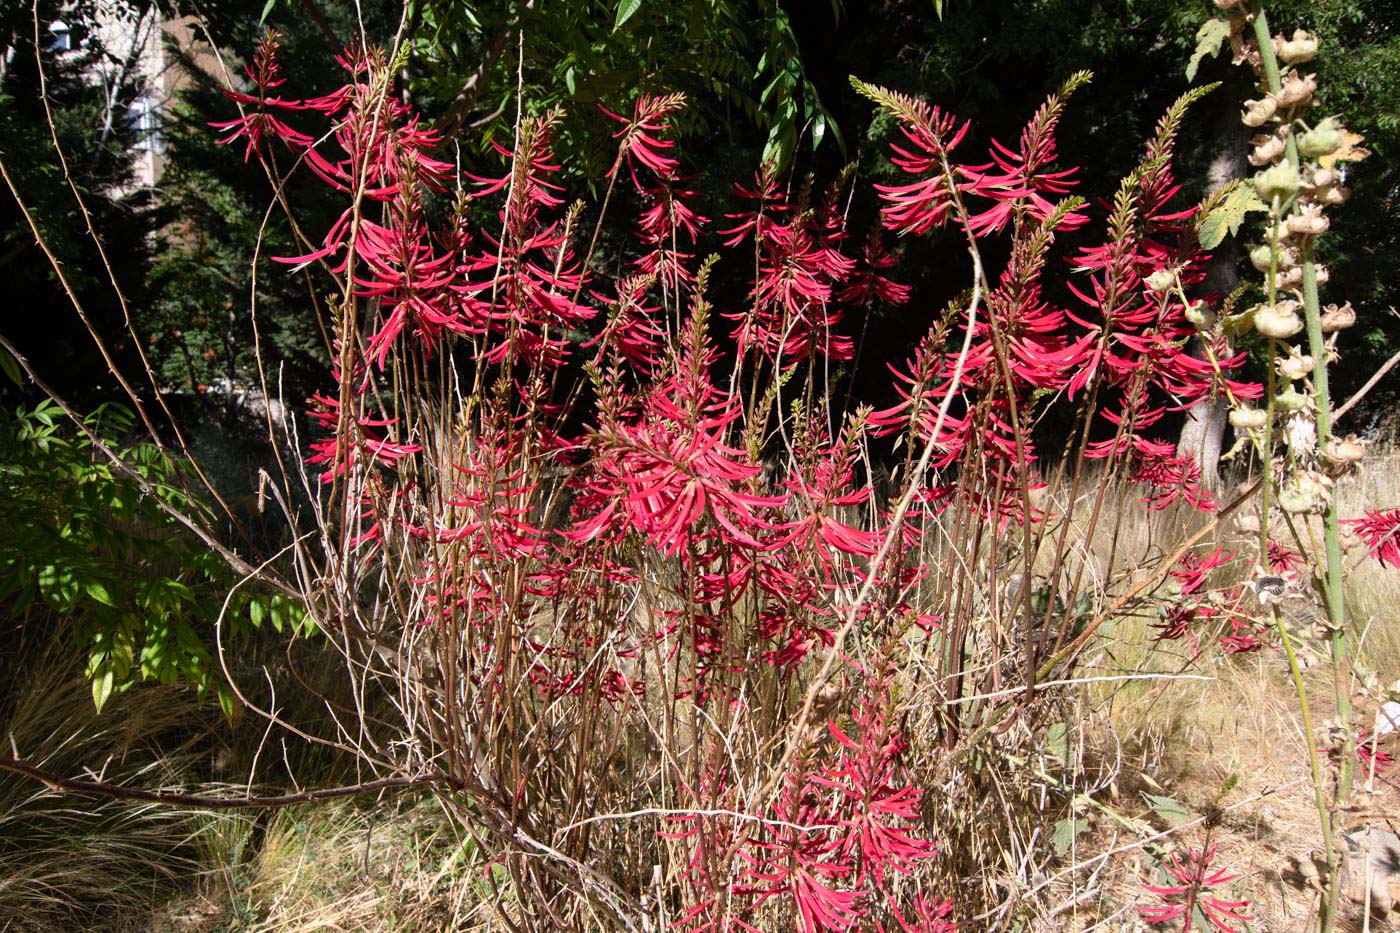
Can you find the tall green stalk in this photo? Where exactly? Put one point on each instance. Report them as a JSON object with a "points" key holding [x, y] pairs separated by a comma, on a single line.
{"points": [[1333, 591]]}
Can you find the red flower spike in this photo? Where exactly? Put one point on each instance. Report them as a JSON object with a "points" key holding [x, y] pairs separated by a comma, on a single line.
{"points": [[1381, 532], [1195, 879]]}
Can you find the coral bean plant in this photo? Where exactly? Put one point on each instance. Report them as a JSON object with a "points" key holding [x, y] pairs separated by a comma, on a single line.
{"points": [[646, 598]]}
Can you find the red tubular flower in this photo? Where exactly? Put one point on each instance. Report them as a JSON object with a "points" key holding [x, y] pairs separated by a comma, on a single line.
{"points": [[1381, 532], [1283, 559], [640, 140], [1195, 879], [1194, 567], [923, 205]]}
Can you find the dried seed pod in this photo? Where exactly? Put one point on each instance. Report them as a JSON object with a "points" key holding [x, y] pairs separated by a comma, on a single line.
{"points": [[1267, 149], [1246, 418], [1160, 281], [1289, 278], [1308, 221], [1345, 451], [1334, 195], [1199, 315], [1296, 90], [1337, 318], [1261, 257], [1278, 321], [1258, 112], [1301, 48], [1324, 178], [1295, 366]]}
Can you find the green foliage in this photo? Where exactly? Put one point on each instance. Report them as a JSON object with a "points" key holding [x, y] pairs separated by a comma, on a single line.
{"points": [[1239, 199], [1209, 38], [84, 548]]}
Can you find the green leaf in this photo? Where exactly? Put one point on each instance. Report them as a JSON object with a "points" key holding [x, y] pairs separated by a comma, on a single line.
{"points": [[102, 686], [1229, 215], [1167, 808], [267, 8], [1057, 741], [226, 701], [1066, 830], [99, 592], [625, 11], [11, 367], [1209, 37]]}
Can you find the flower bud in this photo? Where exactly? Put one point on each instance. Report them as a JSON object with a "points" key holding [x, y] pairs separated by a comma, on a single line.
{"points": [[1290, 400], [1258, 112], [1301, 48], [1334, 318], [1308, 221], [1307, 492], [1199, 315], [1322, 140], [1278, 321], [1248, 419], [1261, 257], [1295, 366], [1280, 182], [1267, 149], [1160, 281]]}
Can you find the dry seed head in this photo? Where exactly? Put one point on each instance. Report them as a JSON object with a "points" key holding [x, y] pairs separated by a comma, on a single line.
{"points": [[1261, 257], [1306, 493], [1300, 433], [1199, 315], [1324, 178]]}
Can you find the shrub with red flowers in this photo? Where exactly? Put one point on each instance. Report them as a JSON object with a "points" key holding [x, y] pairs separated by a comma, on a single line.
{"points": [[619, 554]]}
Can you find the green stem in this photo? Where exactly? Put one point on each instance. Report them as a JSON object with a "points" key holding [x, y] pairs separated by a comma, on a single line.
{"points": [[1333, 591]]}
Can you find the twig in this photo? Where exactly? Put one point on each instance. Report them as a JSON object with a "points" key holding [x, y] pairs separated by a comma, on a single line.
{"points": [[1360, 393], [62, 784]]}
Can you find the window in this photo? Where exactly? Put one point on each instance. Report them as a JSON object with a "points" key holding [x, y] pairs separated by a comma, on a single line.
{"points": [[60, 37], [145, 124]]}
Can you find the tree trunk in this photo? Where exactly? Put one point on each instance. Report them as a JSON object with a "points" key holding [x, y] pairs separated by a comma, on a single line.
{"points": [[1203, 433]]}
